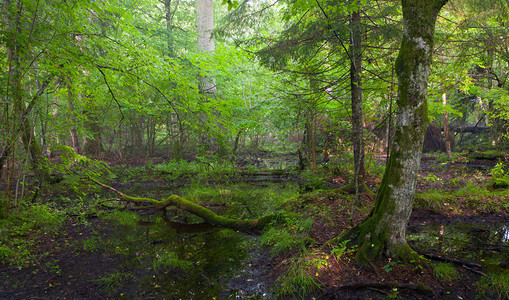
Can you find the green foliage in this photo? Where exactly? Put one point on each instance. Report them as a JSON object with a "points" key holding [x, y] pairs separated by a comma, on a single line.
{"points": [[314, 180], [283, 241], [167, 260], [390, 265], [248, 200], [470, 195], [77, 171], [341, 249], [499, 177], [52, 266], [298, 280], [92, 244], [446, 271], [431, 178], [112, 281], [4, 207], [495, 286], [201, 168], [394, 294], [122, 218], [291, 236], [19, 231]]}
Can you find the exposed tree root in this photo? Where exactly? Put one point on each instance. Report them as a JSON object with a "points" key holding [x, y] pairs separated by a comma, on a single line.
{"points": [[207, 215], [363, 188], [471, 266], [421, 288], [453, 260]]}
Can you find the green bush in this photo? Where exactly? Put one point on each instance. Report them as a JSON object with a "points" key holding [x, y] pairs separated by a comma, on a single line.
{"points": [[500, 179]]}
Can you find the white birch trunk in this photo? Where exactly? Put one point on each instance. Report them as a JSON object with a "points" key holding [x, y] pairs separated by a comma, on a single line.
{"points": [[205, 26]]}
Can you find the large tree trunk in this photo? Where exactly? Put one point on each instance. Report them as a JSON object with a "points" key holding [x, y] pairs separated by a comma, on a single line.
{"points": [[383, 233]]}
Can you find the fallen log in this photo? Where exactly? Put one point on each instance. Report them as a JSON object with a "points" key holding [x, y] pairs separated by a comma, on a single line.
{"points": [[206, 214]]}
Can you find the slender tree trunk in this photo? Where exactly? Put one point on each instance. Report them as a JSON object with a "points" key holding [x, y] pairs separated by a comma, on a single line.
{"points": [[93, 145], [169, 30], [447, 132], [175, 134], [383, 233], [74, 132], [356, 94]]}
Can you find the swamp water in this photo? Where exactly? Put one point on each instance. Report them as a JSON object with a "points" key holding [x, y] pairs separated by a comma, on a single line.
{"points": [[486, 244], [164, 258]]}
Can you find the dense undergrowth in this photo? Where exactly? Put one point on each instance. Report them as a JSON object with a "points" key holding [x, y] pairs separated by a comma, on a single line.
{"points": [[296, 242]]}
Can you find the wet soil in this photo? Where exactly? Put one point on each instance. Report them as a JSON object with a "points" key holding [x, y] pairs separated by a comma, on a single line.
{"points": [[65, 270]]}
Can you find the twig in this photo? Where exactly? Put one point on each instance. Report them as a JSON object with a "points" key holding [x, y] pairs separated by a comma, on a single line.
{"points": [[475, 271], [111, 199], [453, 260]]}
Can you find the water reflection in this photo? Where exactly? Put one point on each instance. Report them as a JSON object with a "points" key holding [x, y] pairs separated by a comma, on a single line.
{"points": [[166, 258], [504, 232], [487, 244]]}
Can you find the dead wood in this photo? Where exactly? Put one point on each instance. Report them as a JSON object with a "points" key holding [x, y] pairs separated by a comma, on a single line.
{"points": [[206, 214]]}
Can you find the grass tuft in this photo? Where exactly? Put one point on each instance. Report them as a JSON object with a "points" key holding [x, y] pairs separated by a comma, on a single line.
{"points": [[494, 286], [446, 271]]}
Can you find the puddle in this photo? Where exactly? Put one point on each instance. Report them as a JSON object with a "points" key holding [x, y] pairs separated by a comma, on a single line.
{"points": [[487, 244], [165, 258]]}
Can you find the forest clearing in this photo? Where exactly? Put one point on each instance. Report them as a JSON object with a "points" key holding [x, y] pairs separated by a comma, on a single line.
{"points": [[203, 149]]}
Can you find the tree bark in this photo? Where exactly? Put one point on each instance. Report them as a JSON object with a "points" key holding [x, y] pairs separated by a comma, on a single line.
{"points": [[205, 26], [175, 133], [447, 132], [72, 117], [93, 145], [356, 94], [383, 233]]}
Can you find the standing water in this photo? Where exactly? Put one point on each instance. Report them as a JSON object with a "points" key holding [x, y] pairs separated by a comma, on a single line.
{"points": [[181, 258], [487, 244]]}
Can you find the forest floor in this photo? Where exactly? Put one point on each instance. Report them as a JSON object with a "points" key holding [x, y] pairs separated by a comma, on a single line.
{"points": [[65, 270]]}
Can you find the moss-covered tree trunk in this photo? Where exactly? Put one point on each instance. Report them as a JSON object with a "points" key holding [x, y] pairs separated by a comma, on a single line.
{"points": [[383, 233], [206, 214], [12, 13]]}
